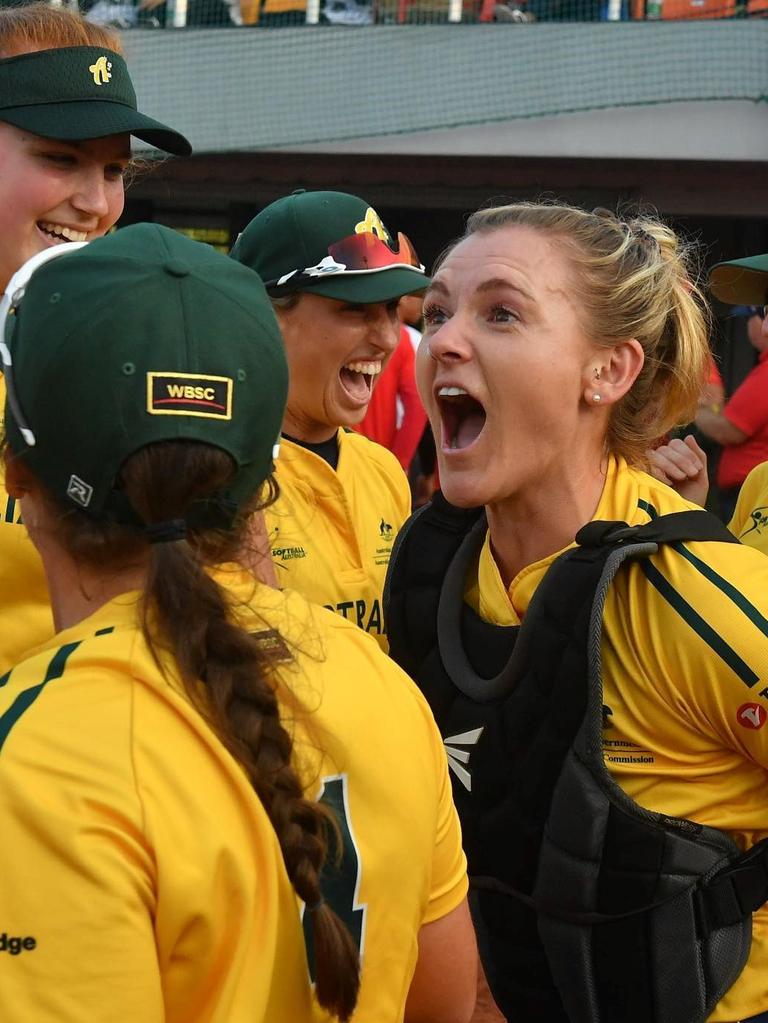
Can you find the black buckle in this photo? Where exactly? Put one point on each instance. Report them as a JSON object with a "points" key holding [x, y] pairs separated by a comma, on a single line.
{"points": [[597, 533]]}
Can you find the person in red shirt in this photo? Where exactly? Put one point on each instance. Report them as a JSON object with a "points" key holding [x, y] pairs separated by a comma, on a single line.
{"points": [[741, 427]]}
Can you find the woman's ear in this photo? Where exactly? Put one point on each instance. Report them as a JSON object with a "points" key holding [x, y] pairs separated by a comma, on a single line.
{"points": [[18, 478], [613, 374]]}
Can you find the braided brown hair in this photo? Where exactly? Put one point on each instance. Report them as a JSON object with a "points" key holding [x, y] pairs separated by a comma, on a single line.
{"points": [[185, 612]]}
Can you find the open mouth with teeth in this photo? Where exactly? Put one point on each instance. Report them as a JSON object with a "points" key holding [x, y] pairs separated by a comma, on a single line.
{"points": [[358, 378], [462, 417], [60, 233]]}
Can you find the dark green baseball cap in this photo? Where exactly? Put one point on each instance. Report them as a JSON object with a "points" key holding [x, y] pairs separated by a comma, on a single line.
{"points": [[77, 93], [741, 281], [139, 337], [331, 244]]}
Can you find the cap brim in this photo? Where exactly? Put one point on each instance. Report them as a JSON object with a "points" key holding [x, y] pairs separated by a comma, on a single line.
{"points": [[92, 119], [741, 281], [379, 287]]}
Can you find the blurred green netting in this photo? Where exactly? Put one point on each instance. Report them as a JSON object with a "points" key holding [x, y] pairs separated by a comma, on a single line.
{"points": [[302, 72], [291, 13]]}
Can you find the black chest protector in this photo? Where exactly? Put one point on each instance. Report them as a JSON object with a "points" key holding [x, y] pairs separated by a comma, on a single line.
{"points": [[592, 909]]}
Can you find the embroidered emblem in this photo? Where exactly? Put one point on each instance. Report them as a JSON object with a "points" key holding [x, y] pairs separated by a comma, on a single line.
{"points": [[189, 394], [101, 71], [80, 491], [372, 225]]}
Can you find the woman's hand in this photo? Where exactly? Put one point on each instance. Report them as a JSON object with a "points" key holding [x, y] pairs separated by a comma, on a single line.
{"points": [[682, 465]]}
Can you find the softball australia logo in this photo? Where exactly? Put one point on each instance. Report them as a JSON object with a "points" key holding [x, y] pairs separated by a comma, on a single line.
{"points": [[458, 759], [101, 71]]}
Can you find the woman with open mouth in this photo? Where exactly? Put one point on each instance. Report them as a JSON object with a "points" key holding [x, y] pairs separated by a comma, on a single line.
{"points": [[219, 803], [595, 651], [335, 275], [67, 112]]}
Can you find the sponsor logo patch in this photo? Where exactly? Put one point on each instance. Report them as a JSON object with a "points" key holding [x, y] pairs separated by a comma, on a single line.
{"points": [[458, 757], [751, 715], [80, 491], [188, 394]]}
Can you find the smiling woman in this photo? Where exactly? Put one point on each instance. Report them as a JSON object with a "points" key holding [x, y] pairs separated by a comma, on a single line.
{"points": [[558, 344], [67, 112], [335, 276]]}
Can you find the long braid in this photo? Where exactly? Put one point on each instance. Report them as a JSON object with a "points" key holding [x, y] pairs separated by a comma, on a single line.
{"points": [[188, 614]]}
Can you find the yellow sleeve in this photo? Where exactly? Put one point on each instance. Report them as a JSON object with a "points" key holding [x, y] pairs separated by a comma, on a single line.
{"points": [[750, 517], [708, 642], [76, 934], [449, 864]]}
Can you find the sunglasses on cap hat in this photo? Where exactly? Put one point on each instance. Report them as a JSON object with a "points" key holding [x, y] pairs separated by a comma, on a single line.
{"points": [[748, 311], [9, 303], [363, 253]]}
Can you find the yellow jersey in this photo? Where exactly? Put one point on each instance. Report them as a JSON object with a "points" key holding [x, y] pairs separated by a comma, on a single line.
{"points": [[750, 517], [25, 610], [141, 877], [331, 531], [685, 676]]}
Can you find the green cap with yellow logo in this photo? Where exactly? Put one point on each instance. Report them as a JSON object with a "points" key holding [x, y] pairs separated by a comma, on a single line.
{"points": [[77, 93], [332, 244], [139, 337]]}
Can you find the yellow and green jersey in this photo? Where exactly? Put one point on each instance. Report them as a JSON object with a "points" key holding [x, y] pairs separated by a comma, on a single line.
{"points": [[25, 611], [141, 877], [750, 517], [331, 531], [685, 675]]}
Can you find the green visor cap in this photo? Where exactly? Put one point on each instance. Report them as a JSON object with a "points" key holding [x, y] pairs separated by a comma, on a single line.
{"points": [[77, 93], [741, 281], [294, 234], [140, 337]]}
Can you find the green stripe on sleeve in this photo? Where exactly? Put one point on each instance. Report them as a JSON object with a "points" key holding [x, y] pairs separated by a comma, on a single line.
{"points": [[725, 587], [648, 509], [25, 700], [699, 626]]}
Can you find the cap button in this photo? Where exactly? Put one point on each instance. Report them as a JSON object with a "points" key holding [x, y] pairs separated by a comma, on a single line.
{"points": [[177, 268]]}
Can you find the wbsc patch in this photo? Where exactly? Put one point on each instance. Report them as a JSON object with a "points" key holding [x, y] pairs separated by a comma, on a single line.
{"points": [[189, 394]]}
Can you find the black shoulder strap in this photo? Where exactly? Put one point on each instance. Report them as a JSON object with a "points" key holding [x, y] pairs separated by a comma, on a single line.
{"points": [[672, 528], [423, 550]]}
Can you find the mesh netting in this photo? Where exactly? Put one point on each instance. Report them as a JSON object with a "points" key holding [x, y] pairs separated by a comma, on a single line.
{"points": [[241, 89], [291, 13]]}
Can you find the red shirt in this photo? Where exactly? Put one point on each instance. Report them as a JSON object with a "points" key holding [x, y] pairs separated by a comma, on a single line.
{"points": [[748, 411], [380, 423]]}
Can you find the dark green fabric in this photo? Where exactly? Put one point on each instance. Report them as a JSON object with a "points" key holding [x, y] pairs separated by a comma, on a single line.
{"points": [[741, 281], [294, 233], [76, 93], [108, 338]]}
